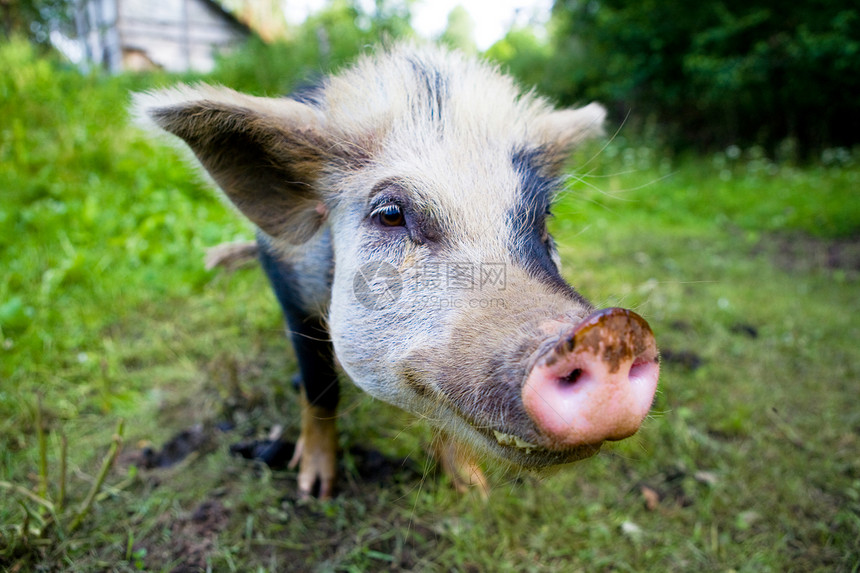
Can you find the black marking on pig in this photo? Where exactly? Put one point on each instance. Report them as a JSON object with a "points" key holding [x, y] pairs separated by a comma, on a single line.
{"points": [[310, 93], [309, 335], [527, 220], [435, 84]]}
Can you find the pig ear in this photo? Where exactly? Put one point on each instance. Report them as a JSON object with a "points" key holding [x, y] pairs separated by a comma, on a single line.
{"points": [[563, 130], [265, 154]]}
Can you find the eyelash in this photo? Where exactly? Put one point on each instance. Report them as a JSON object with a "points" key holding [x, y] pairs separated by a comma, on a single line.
{"points": [[389, 215]]}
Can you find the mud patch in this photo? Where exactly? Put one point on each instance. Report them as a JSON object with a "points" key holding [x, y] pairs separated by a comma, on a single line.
{"points": [[275, 453], [360, 464], [196, 439], [372, 466], [744, 329], [191, 539], [797, 252], [684, 358]]}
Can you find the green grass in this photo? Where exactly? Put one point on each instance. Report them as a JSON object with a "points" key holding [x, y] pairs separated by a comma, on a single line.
{"points": [[108, 314]]}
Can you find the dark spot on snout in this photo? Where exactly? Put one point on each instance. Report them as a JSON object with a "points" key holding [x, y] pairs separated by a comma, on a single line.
{"points": [[613, 339], [616, 340], [616, 346], [564, 346]]}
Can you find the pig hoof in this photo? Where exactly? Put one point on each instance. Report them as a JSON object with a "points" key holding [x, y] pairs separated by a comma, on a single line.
{"points": [[316, 452], [459, 464]]}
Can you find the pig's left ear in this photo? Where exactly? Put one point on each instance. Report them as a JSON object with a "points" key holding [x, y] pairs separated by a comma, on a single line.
{"points": [[265, 154], [561, 131]]}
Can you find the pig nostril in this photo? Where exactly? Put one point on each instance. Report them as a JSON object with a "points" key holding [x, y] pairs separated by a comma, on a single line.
{"points": [[571, 378], [596, 382], [639, 369]]}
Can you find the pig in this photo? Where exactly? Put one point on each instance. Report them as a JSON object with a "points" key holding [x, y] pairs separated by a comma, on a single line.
{"points": [[401, 210]]}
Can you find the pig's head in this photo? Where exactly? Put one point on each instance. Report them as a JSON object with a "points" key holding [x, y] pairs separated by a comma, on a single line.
{"points": [[434, 175]]}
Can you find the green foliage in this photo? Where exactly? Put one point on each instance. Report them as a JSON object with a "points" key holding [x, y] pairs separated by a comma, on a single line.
{"points": [[75, 231], [327, 40], [90, 211], [33, 18], [526, 57], [459, 34], [48, 513], [740, 189], [716, 73], [748, 462]]}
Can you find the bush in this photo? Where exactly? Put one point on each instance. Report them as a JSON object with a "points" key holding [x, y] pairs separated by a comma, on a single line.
{"points": [[714, 74]]}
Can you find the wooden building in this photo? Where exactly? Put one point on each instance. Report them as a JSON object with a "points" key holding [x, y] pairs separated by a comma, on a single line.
{"points": [[175, 35]]}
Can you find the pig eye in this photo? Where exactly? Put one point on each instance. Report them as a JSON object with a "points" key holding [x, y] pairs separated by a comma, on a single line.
{"points": [[390, 215]]}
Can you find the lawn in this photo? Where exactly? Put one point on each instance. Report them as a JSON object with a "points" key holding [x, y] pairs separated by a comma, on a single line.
{"points": [[747, 268]]}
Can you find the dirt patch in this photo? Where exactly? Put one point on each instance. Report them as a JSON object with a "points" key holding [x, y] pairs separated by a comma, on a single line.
{"points": [[307, 531], [366, 465], [684, 358], [200, 439], [274, 453], [744, 329], [193, 439], [797, 252], [675, 486], [192, 538]]}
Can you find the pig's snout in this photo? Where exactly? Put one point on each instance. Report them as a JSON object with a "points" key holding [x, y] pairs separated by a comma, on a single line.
{"points": [[597, 383]]}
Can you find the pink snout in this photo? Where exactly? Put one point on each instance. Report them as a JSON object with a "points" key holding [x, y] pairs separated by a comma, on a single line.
{"points": [[597, 383]]}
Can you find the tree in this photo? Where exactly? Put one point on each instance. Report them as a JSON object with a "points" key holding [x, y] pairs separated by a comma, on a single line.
{"points": [[526, 57], [390, 19], [752, 71], [460, 31], [328, 39], [33, 19]]}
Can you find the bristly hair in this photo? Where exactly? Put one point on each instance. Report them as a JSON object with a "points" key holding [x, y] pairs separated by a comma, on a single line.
{"points": [[436, 85]]}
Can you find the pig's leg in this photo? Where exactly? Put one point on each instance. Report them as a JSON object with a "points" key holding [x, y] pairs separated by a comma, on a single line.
{"points": [[459, 463], [316, 449]]}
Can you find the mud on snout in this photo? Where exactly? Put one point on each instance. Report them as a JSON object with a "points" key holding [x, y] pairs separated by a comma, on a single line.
{"points": [[591, 382]]}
